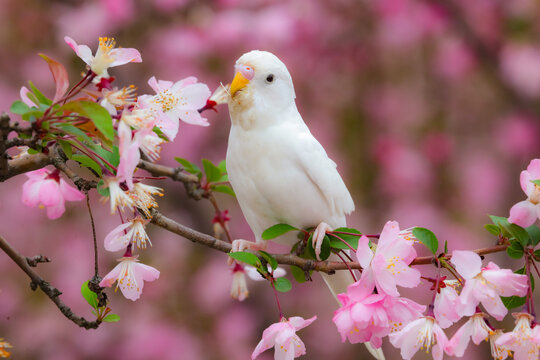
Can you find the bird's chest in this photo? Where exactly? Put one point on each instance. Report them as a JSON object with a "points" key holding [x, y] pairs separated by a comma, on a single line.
{"points": [[270, 184]]}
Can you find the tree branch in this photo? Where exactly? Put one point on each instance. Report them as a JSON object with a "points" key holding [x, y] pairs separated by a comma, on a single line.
{"points": [[49, 290]]}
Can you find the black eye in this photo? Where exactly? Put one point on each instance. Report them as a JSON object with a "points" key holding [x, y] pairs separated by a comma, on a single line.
{"points": [[270, 78]]}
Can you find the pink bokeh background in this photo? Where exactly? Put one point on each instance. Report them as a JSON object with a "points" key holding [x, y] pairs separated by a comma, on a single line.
{"points": [[425, 128]]}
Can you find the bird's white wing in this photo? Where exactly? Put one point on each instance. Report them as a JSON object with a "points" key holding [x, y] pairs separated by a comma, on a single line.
{"points": [[322, 171]]}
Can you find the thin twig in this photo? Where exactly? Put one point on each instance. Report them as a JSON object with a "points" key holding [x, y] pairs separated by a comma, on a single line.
{"points": [[93, 235], [49, 290]]}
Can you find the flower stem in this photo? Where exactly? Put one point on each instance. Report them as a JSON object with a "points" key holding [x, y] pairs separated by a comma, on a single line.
{"points": [[281, 316], [343, 241], [93, 235], [348, 267]]}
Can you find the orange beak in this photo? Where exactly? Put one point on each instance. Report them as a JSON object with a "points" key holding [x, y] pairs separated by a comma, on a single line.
{"points": [[238, 83]]}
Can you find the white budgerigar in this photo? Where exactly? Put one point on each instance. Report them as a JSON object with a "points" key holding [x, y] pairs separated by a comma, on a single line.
{"points": [[278, 170]]}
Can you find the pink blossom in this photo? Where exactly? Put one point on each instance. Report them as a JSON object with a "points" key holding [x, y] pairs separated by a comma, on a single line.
{"points": [[365, 317], [525, 212], [117, 196], [485, 285], [130, 275], [388, 266], [141, 195], [132, 232], [282, 336], [419, 334], [519, 65], [180, 100], [523, 340], [106, 55], [129, 154], [47, 189], [498, 352], [445, 304], [475, 328]]}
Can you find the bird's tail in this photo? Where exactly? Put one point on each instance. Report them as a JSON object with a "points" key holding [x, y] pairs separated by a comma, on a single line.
{"points": [[338, 283]]}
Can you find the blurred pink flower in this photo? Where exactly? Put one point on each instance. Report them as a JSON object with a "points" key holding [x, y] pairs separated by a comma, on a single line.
{"points": [[524, 341], [437, 147], [47, 189], [132, 232], [130, 275], [282, 336], [106, 55], [518, 135], [475, 328], [485, 285], [519, 66], [453, 59], [445, 304], [422, 333], [525, 212], [388, 266]]}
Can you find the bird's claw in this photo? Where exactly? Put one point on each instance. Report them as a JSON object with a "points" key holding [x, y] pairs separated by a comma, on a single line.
{"points": [[243, 245], [318, 237]]}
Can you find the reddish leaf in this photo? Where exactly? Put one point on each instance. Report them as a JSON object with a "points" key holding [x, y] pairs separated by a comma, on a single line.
{"points": [[60, 76]]}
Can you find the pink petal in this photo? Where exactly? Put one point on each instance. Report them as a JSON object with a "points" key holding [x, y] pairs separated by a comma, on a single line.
{"points": [[384, 280], [445, 307], [194, 96], [24, 97], [344, 323], [299, 323], [507, 283], [491, 302], [115, 241], [148, 273], [30, 192], [459, 342], [389, 234], [525, 181], [285, 352], [69, 192], [49, 193], [167, 125], [82, 51], [299, 347], [55, 211], [467, 263], [267, 340], [406, 276], [159, 86], [364, 254], [39, 174], [437, 350], [479, 332], [111, 277], [364, 287], [123, 56], [190, 80], [523, 214], [467, 302], [534, 169], [192, 117]]}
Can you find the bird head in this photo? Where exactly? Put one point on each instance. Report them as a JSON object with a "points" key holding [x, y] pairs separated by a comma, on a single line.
{"points": [[262, 81]]}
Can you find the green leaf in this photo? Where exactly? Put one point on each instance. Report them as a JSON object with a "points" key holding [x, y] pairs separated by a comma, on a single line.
{"points": [[492, 229], [72, 130], [519, 233], [101, 189], [39, 95], [160, 134], [89, 295], [502, 223], [111, 318], [426, 237], [246, 257], [298, 274], [189, 166], [445, 246], [325, 248], [350, 239], [282, 284], [513, 301], [269, 259], [515, 250], [112, 156], [222, 166], [66, 148], [276, 230], [18, 107], [89, 163], [536, 182], [537, 254], [100, 117], [534, 234], [226, 189], [211, 171]]}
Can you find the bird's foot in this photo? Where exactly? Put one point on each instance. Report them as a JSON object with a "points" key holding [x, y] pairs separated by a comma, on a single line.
{"points": [[243, 245], [318, 237]]}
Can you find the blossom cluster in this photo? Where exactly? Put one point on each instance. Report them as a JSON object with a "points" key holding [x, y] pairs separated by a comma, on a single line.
{"points": [[142, 124]]}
